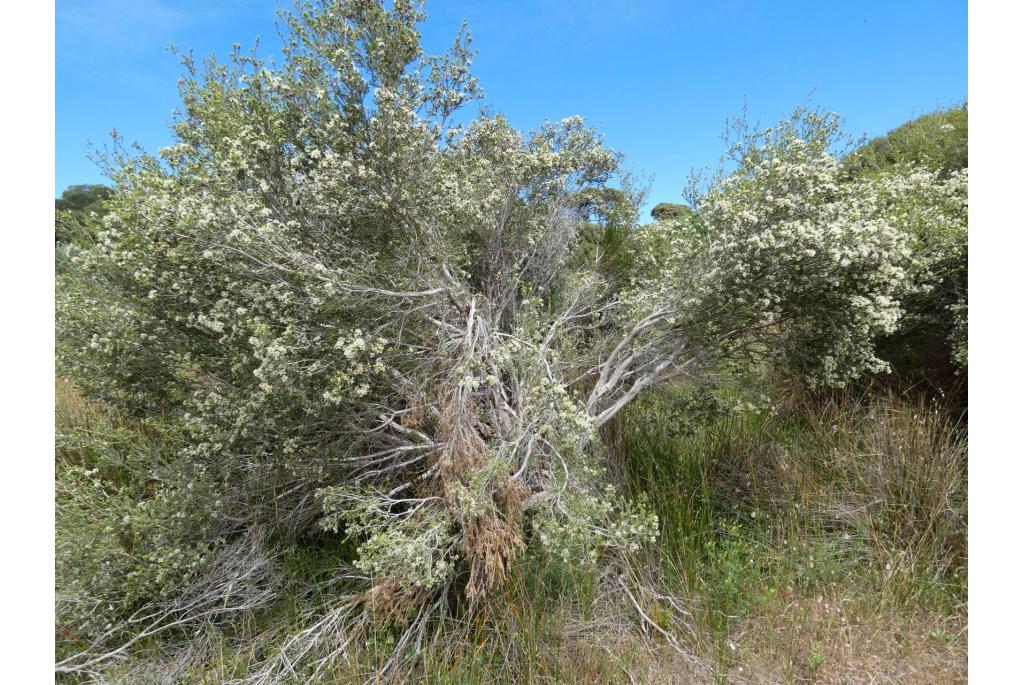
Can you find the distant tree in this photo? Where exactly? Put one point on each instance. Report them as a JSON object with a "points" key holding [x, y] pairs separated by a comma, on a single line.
{"points": [[668, 211], [606, 215], [599, 205], [84, 197], [78, 206]]}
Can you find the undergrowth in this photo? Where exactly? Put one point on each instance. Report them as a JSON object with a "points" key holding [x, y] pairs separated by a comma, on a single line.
{"points": [[816, 544], [858, 502]]}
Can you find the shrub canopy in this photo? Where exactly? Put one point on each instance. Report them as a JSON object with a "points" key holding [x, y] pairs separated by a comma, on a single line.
{"points": [[367, 319]]}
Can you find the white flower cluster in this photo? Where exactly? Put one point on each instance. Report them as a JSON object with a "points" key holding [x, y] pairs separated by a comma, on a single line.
{"points": [[362, 362], [417, 549], [587, 524], [784, 259]]}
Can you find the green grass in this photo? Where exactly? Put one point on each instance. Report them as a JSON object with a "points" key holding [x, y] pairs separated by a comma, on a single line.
{"points": [[812, 545], [861, 501]]}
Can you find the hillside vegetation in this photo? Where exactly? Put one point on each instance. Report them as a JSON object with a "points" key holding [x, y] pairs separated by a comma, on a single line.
{"points": [[348, 392]]}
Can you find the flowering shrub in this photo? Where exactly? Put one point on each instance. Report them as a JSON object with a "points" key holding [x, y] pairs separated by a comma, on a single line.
{"points": [[367, 320], [931, 209], [919, 173], [785, 263]]}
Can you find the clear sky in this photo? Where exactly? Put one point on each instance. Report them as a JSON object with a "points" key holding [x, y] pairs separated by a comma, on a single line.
{"points": [[658, 77]]}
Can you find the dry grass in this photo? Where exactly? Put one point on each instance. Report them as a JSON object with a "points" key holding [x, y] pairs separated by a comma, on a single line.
{"points": [[804, 640]]}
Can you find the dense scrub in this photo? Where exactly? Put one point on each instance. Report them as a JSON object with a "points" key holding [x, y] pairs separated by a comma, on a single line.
{"points": [[369, 394], [929, 349]]}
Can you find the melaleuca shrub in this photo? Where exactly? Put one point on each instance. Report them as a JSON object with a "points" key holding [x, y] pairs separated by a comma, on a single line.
{"points": [[329, 288], [786, 265], [931, 209], [366, 314], [919, 173]]}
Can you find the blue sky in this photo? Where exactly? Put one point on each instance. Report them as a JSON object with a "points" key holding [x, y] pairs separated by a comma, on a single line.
{"points": [[658, 77]]}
